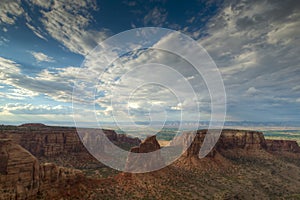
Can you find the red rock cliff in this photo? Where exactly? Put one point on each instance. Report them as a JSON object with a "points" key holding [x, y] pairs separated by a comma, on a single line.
{"points": [[229, 140], [138, 161], [22, 177], [41, 140], [283, 145]]}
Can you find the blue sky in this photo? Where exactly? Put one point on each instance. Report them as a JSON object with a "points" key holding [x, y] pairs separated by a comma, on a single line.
{"points": [[255, 45]]}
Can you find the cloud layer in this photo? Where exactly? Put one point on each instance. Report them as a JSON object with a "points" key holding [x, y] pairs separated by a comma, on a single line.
{"points": [[255, 44]]}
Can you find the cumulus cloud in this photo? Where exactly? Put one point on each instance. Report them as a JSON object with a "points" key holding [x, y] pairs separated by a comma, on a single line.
{"points": [[56, 84], [18, 94], [42, 3], [8, 66], [252, 91], [254, 44], [18, 113], [240, 32], [41, 57], [67, 22], [150, 83], [10, 10], [156, 17], [21, 108], [36, 30]]}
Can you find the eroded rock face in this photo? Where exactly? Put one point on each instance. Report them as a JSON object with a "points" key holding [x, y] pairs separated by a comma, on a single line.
{"points": [[22, 177], [229, 140], [57, 181], [50, 141], [19, 177], [240, 139], [128, 140], [283, 146], [145, 157], [44, 140], [150, 144], [193, 142], [231, 143]]}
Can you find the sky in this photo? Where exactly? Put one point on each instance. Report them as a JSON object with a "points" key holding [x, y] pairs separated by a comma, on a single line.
{"points": [[254, 43]]}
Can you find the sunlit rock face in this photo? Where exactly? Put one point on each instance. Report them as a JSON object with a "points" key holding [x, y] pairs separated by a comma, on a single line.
{"points": [[50, 141], [19, 173], [232, 143], [229, 140], [248, 140], [23, 177]]}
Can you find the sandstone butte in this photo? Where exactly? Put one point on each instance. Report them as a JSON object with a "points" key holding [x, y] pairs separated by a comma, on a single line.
{"points": [[232, 143], [22, 176]]}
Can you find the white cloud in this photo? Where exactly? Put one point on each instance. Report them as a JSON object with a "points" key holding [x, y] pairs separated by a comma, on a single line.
{"points": [[254, 43], [36, 31], [21, 108], [177, 107], [156, 17], [56, 84], [17, 113], [10, 10], [134, 88], [3, 41], [8, 66], [252, 91], [285, 32], [67, 22], [247, 28], [42, 3], [41, 57], [18, 94]]}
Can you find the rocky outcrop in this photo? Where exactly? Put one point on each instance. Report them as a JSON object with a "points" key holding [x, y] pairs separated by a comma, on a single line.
{"points": [[22, 177], [283, 146], [57, 181], [150, 144], [231, 144], [145, 157], [123, 138], [49, 141], [19, 177], [192, 143], [229, 140], [240, 139], [44, 140], [33, 125]]}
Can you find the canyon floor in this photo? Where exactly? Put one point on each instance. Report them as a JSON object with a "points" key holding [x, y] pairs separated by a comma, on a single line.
{"points": [[44, 162]]}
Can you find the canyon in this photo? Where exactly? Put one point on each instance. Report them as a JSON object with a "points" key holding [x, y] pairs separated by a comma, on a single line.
{"points": [[44, 162]]}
